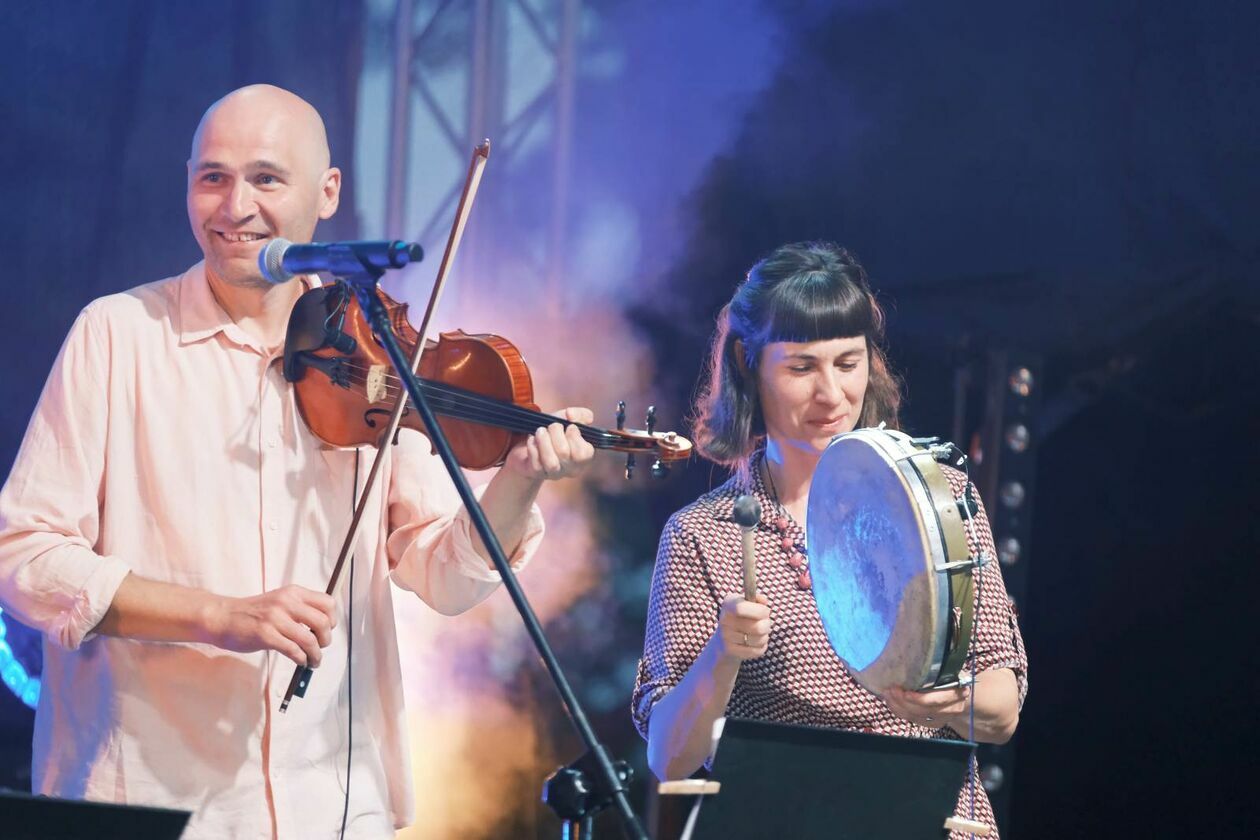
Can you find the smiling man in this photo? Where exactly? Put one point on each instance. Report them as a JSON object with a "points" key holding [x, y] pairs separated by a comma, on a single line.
{"points": [[170, 525]]}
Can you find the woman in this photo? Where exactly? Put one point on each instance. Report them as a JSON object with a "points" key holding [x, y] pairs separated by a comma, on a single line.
{"points": [[797, 359]]}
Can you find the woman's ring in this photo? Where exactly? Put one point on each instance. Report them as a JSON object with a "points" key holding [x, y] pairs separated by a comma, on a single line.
{"points": [[745, 642]]}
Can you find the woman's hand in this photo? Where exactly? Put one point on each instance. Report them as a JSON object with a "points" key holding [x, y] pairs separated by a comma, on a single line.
{"points": [[996, 707], [743, 630], [681, 735], [932, 709]]}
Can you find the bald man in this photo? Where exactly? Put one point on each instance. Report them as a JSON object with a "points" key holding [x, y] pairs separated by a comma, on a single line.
{"points": [[170, 525]]}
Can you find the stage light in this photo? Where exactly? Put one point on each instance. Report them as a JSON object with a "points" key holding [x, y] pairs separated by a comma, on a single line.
{"points": [[14, 676], [1021, 382], [1012, 494], [1017, 437], [1008, 549]]}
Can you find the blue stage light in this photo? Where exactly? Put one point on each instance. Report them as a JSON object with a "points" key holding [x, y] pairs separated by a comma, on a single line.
{"points": [[13, 674]]}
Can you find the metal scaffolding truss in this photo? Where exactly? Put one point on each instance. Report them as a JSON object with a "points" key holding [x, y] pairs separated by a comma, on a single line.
{"points": [[477, 40]]}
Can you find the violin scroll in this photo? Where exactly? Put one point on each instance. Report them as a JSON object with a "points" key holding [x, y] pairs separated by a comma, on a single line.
{"points": [[668, 447]]}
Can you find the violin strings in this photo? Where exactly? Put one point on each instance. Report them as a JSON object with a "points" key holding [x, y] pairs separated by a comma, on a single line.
{"points": [[467, 405], [452, 400], [460, 406], [480, 408]]}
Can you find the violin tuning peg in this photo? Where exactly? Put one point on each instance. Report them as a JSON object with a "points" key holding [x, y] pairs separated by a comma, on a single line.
{"points": [[621, 414], [659, 470], [629, 467], [650, 422]]}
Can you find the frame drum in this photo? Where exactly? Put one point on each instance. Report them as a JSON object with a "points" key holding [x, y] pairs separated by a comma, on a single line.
{"points": [[889, 561]]}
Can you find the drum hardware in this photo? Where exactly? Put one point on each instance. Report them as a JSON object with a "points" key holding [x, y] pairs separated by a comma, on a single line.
{"points": [[967, 505], [932, 456], [949, 453], [944, 452], [970, 563], [965, 680]]}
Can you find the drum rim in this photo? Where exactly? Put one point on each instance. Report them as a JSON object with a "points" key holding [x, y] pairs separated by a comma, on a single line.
{"points": [[898, 451]]}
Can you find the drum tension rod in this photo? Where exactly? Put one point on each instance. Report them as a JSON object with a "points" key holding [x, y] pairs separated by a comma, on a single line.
{"points": [[947, 454], [981, 559], [963, 681]]}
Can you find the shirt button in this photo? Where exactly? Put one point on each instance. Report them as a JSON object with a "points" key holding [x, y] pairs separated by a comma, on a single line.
{"points": [[271, 526], [271, 444]]}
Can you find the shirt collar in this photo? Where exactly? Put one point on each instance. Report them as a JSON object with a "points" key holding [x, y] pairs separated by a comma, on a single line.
{"points": [[723, 505], [201, 316]]}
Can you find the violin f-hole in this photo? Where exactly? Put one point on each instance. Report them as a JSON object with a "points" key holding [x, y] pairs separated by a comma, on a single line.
{"points": [[371, 421]]}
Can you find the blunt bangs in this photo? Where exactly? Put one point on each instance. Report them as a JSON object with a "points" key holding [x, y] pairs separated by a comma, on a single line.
{"points": [[813, 307]]}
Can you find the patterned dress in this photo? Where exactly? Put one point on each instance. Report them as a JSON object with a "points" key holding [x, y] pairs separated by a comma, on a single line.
{"points": [[799, 680]]}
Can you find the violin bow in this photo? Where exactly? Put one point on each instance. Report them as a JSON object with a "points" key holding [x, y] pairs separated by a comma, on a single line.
{"points": [[476, 166]]}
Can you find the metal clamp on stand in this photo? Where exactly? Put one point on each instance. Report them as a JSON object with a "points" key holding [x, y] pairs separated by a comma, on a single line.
{"points": [[577, 792]]}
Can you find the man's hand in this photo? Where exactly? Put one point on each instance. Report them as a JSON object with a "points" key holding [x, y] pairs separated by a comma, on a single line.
{"points": [[292, 620], [554, 451]]}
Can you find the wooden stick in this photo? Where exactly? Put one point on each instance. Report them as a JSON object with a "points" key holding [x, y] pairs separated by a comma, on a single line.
{"points": [[750, 564], [689, 787], [747, 513], [967, 826]]}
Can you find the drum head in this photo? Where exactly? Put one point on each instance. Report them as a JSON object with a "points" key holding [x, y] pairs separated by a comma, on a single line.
{"points": [[871, 563]]}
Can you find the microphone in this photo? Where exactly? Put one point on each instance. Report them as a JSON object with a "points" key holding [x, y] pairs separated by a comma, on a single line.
{"points": [[747, 514], [282, 260]]}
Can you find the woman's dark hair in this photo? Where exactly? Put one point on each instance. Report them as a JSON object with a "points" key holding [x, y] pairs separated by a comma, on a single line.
{"points": [[808, 291]]}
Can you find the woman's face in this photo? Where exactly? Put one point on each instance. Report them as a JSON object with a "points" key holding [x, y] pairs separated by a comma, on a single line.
{"points": [[813, 391]]}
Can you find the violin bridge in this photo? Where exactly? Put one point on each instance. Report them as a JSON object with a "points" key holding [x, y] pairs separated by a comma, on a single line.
{"points": [[376, 387]]}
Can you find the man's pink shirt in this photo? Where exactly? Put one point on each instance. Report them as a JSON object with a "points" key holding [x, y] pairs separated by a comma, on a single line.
{"points": [[167, 443]]}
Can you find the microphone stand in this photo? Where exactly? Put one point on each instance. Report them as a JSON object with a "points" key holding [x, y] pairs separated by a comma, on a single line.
{"points": [[580, 790]]}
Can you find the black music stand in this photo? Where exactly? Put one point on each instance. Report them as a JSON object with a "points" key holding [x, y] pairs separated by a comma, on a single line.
{"points": [[805, 782], [25, 817]]}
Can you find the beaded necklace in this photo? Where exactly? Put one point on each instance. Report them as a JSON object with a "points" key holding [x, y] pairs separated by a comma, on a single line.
{"points": [[798, 555]]}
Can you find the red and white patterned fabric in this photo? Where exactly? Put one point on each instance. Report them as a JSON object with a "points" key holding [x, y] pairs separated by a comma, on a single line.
{"points": [[799, 680]]}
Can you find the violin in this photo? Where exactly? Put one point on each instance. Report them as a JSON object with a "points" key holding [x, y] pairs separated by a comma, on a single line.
{"points": [[478, 386]]}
